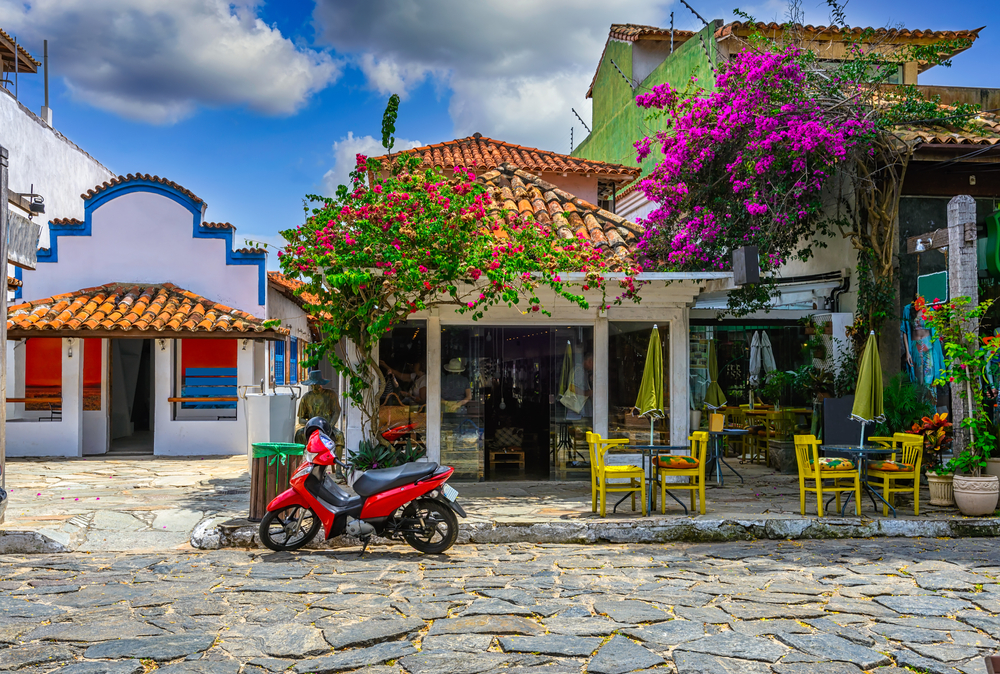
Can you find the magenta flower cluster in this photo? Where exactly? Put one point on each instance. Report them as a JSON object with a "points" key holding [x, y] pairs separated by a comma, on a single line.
{"points": [[743, 164]]}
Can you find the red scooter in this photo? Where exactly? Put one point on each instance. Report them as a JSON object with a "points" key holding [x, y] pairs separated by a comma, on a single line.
{"points": [[411, 502]]}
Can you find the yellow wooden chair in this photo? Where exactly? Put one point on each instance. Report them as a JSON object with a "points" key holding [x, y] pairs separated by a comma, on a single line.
{"points": [[845, 475], [635, 475], [887, 472], [691, 466]]}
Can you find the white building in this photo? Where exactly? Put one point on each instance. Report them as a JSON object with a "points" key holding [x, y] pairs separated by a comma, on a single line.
{"points": [[143, 330]]}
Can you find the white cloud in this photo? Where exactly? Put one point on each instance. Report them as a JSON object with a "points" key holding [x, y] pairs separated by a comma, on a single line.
{"points": [[159, 61], [514, 67], [346, 150]]}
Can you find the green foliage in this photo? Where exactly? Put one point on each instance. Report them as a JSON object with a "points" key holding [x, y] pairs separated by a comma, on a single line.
{"points": [[904, 404], [413, 241], [845, 365], [389, 122], [876, 302], [966, 358], [373, 455], [776, 387], [810, 382]]}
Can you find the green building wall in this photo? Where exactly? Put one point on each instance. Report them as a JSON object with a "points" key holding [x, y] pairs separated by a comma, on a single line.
{"points": [[617, 121]]}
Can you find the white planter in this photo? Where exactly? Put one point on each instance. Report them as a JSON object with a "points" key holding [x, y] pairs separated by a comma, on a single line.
{"points": [[977, 496], [695, 420], [992, 467], [942, 489]]}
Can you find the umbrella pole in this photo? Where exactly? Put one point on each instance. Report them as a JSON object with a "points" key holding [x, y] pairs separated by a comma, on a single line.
{"points": [[861, 442], [651, 430]]}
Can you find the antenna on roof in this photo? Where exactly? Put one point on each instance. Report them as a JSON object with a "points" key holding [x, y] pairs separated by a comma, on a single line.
{"points": [[581, 118], [571, 140]]}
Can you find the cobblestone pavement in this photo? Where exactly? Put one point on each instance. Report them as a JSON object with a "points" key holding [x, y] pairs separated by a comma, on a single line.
{"points": [[102, 504], [817, 606]]}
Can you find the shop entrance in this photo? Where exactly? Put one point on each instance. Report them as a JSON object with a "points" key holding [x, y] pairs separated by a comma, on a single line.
{"points": [[131, 420], [517, 402]]}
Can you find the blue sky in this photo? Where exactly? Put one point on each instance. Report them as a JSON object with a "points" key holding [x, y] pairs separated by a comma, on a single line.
{"points": [[250, 104]]}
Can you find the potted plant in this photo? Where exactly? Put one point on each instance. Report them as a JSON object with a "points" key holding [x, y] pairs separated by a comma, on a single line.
{"points": [[966, 359], [940, 482], [936, 437], [775, 387]]}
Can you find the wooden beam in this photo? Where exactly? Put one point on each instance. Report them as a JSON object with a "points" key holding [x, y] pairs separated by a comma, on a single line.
{"points": [[936, 239], [19, 201]]}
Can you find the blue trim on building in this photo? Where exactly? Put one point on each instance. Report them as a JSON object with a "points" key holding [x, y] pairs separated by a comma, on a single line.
{"points": [[233, 257], [17, 274]]}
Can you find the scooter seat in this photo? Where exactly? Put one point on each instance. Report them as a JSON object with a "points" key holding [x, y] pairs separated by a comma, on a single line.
{"points": [[383, 479]]}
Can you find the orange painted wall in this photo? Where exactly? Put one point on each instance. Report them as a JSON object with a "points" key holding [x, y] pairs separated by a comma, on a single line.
{"points": [[43, 362], [208, 353]]}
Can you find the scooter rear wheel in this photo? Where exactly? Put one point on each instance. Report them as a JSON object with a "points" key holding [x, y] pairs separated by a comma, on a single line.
{"points": [[440, 526], [281, 530]]}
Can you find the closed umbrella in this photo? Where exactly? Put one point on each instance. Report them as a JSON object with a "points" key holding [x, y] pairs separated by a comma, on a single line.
{"points": [[650, 400], [714, 397], [868, 393], [569, 396], [767, 354], [755, 364]]}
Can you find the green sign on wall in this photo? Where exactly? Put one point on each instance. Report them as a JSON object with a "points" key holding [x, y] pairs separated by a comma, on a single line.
{"points": [[933, 286]]}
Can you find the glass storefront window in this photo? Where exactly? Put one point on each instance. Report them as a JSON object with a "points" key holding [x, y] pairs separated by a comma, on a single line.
{"points": [[628, 345], [403, 406], [465, 383]]}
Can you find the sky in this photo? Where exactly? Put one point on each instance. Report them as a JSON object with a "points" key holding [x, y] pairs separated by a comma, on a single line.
{"points": [[252, 104]]}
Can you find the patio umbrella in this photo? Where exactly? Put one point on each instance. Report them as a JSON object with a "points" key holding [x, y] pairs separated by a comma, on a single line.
{"points": [[650, 400], [714, 397], [767, 354], [570, 398], [868, 393], [755, 363]]}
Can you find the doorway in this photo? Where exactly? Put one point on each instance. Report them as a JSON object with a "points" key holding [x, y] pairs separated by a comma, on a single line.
{"points": [[516, 402], [131, 417]]}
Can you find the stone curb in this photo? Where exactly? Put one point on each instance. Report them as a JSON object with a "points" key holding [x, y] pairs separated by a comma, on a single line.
{"points": [[243, 534], [28, 543]]}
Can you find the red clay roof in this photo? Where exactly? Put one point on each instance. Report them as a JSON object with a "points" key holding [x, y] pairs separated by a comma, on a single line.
{"points": [[22, 50], [140, 176], [218, 225], [879, 34], [13, 283], [569, 215], [138, 309], [66, 221], [288, 286], [477, 151]]}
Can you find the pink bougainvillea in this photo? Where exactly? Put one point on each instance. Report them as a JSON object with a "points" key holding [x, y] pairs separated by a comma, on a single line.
{"points": [[744, 164]]}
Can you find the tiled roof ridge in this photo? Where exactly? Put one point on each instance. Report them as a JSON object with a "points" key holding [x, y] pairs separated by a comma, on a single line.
{"points": [[14, 282], [20, 48], [852, 30], [218, 225], [558, 162], [124, 306], [287, 287], [630, 32], [569, 216], [140, 176], [251, 251], [66, 221]]}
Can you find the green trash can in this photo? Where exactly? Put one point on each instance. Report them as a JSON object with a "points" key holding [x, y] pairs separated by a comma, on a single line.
{"points": [[272, 467]]}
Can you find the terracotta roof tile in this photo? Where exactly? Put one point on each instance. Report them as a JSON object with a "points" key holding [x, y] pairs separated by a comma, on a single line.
{"points": [[66, 221], [218, 225], [13, 283], [125, 307], [878, 34], [140, 176], [477, 151], [22, 50], [571, 216], [287, 287], [984, 129], [251, 251]]}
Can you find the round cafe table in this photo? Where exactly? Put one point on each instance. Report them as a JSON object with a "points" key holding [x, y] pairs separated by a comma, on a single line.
{"points": [[715, 460], [860, 456]]}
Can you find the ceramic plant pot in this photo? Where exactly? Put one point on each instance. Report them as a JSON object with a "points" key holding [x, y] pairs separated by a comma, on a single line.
{"points": [[941, 489], [695, 420], [977, 496], [992, 467]]}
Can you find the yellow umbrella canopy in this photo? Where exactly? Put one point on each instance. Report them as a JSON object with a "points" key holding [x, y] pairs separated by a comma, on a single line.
{"points": [[650, 400], [714, 397], [868, 393]]}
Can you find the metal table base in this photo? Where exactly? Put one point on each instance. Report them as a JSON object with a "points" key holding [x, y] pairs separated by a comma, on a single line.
{"points": [[860, 458], [645, 450]]}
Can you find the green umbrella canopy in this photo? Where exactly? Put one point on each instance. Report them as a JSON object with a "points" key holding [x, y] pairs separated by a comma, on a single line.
{"points": [[714, 397], [868, 394], [650, 400], [566, 376]]}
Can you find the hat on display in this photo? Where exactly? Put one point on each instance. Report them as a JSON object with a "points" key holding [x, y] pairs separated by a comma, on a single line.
{"points": [[315, 378], [454, 365]]}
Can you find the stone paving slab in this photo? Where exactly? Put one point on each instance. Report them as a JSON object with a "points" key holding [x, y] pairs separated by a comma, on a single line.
{"points": [[128, 613], [101, 504]]}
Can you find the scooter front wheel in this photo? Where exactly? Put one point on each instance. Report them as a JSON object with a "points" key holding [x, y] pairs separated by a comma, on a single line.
{"points": [[440, 526], [288, 528]]}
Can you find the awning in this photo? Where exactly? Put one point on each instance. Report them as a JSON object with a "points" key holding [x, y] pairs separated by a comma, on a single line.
{"points": [[137, 311]]}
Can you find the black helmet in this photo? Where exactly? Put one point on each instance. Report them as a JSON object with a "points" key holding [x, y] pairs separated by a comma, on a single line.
{"points": [[318, 424]]}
